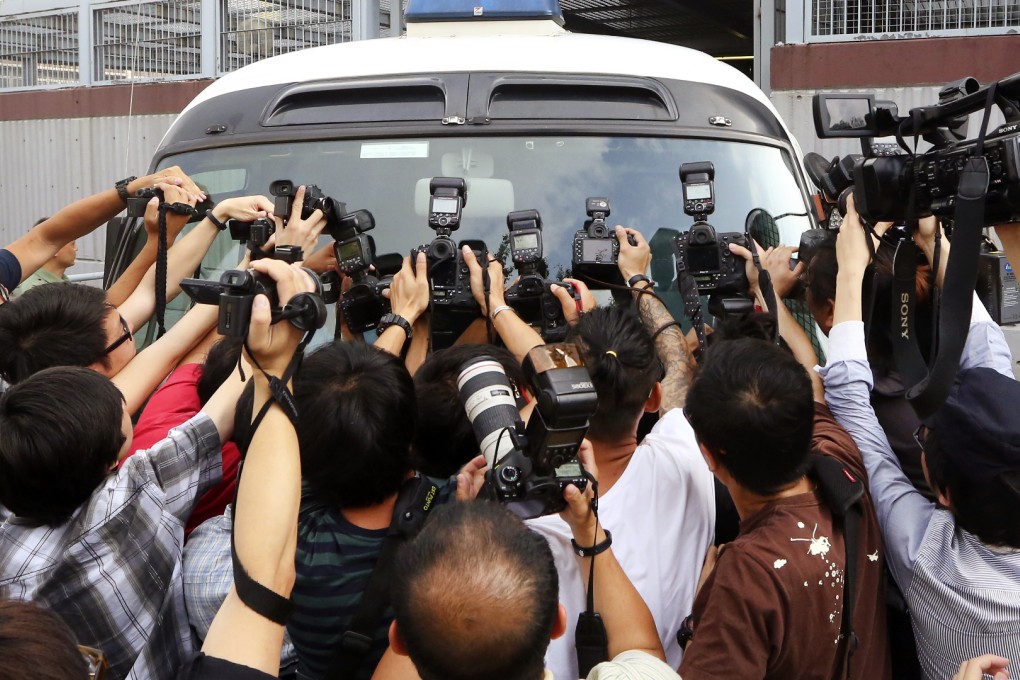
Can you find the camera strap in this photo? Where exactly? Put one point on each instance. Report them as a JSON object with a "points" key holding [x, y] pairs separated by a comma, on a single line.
{"points": [[927, 388], [591, 642], [842, 494], [691, 297], [415, 501], [161, 264], [768, 291]]}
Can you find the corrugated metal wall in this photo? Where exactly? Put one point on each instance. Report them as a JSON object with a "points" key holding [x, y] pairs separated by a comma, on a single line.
{"points": [[47, 164]]}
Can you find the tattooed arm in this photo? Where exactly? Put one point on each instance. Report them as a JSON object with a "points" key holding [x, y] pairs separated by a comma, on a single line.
{"points": [[670, 343]]}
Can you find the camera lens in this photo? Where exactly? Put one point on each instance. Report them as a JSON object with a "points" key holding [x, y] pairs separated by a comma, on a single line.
{"points": [[489, 401]]}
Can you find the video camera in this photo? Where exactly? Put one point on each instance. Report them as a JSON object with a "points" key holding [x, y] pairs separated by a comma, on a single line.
{"points": [[885, 185], [452, 305], [701, 252], [285, 193], [235, 292], [137, 204], [529, 468], [531, 296], [595, 250]]}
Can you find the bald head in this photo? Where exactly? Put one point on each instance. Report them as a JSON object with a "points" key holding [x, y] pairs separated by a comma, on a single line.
{"points": [[475, 595]]}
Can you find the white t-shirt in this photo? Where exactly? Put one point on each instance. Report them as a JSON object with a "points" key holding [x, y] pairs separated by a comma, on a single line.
{"points": [[661, 513]]}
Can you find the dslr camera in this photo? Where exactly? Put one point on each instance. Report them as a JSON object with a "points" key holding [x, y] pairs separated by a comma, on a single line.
{"points": [[531, 296], [701, 252], [363, 304], [452, 305], [529, 468], [884, 184], [595, 250], [284, 194], [235, 292]]}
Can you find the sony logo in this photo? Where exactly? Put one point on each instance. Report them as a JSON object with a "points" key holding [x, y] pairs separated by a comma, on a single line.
{"points": [[905, 315]]}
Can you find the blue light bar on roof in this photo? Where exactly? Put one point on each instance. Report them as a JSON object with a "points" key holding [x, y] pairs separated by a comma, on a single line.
{"points": [[481, 10]]}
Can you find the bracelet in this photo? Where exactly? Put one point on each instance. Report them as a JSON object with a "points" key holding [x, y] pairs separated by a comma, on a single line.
{"points": [[594, 550], [222, 226], [638, 278], [122, 188], [497, 310]]}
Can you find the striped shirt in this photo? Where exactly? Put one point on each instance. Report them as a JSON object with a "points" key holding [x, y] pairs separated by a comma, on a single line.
{"points": [[335, 560], [963, 596], [113, 571]]}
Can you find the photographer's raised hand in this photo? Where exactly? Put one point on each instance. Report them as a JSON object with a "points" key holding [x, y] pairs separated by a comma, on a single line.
{"points": [[243, 208], [633, 260], [519, 337], [852, 257], [303, 233], [409, 298], [570, 312], [272, 345]]}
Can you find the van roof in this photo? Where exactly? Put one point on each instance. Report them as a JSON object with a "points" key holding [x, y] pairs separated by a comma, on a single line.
{"points": [[558, 51]]}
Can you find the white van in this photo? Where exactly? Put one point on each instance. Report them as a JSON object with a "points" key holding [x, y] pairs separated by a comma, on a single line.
{"points": [[529, 114]]}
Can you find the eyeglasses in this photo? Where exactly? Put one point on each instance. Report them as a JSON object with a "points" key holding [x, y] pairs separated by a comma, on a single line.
{"points": [[122, 339], [95, 660]]}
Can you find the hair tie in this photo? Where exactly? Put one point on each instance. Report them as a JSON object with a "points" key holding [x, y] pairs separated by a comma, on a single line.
{"points": [[612, 352]]}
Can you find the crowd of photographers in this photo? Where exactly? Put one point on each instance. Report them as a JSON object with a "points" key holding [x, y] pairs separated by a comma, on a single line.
{"points": [[626, 503]]}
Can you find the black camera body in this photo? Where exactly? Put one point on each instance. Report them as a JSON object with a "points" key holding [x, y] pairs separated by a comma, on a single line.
{"points": [[235, 292], [284, 193], [531, 467], [596, 251], [706, 256], [525, 240], [533, 300], [136, 204], [254, 234], [882, 184], [364, 305]]}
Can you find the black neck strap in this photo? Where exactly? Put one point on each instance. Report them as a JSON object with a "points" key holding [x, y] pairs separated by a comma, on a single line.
{"points": [[161, 255], [591, 641]]}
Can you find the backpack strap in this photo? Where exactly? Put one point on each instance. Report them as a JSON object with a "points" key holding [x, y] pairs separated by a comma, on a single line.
{"points": [[842, 493], [409, 514]]}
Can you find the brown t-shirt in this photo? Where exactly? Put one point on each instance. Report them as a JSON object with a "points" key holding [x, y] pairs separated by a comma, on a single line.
{"points": [[773, 606]]}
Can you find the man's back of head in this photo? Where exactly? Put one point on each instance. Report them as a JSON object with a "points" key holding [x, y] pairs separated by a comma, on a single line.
{"points": [[619, 353], [357, 421], [475, 596], [52, 326], [61, 431], [751, 405]]}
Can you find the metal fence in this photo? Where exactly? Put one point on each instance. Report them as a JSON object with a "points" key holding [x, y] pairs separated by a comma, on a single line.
{"points": [[38, 50], [105, 41], [835, 20]]}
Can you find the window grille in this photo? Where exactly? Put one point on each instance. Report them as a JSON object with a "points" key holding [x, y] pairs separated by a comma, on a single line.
{"points": [[39, 50], [256, 29], [147, 40], [883, 17]]}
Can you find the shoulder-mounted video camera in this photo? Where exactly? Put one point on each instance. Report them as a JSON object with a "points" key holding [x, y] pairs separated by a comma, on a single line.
{"points": [[531, 467], [889, 188], [235, 292]]}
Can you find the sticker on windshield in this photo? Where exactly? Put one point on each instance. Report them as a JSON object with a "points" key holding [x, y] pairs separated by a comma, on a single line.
{"points": [[395, 149]]}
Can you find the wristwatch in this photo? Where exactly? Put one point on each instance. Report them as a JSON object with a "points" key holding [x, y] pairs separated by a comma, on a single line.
{"points": [[122, 188], [638, 278], [592, 550], [222, 226], [392, 319]]}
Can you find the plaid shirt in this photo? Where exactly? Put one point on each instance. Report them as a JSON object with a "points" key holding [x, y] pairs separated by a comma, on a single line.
{"points": [[113, 571]]}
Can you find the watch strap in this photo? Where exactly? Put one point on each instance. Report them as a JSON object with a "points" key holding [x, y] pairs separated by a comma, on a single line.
{"points": [[222, 226], [391, 319], [638, 278], [592, 551], [122, 188]]}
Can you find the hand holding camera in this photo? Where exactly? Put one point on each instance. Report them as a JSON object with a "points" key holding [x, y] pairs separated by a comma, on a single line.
{"points": [[243, 208], [578, 514], [273, 344], [635, 253], [300, 230], [409, 291], [167, 193], [172, 176], [852, 252], [496, 280]]}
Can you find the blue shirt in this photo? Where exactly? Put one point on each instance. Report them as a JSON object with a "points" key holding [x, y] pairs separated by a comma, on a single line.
{"points": [[10, 270], [964, 596]]}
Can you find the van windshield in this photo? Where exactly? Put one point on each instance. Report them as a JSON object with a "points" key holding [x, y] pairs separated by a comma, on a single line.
{"points": [[552, 174]]}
